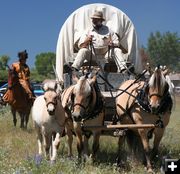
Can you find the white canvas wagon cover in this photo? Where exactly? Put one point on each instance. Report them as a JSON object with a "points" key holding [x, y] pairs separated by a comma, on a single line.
{"points": [[80, 20]]}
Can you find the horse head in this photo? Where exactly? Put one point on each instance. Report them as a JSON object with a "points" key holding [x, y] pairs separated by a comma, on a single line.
{"points": [[157, 89], [51, 96], [83, 97]]}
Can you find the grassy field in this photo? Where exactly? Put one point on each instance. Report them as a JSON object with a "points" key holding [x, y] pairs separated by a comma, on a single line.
{"points": [[18, 151]]}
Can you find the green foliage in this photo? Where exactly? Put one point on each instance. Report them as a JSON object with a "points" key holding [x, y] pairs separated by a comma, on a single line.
{"points": [[3, 71], [44, 62], [43, 67], [164, 49], [36, 77], [3, 75], [3, 62]]}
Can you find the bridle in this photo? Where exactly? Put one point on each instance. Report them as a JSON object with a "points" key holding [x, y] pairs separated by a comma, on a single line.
{"points": [[155, 94], [81, 105], [52, 102]]}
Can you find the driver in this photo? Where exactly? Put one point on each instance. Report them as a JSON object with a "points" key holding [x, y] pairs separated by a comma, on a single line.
{"points": [[102, 38]]}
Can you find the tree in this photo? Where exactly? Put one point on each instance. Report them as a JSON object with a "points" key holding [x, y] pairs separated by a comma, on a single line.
{"points": [[3, 71], [164, 49], [44, 66], [4, 61], [144, 57]]}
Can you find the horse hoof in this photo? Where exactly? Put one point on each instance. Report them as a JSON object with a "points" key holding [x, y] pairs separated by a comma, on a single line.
{"points": [[149, 170], [70, 157], [52, 162]]}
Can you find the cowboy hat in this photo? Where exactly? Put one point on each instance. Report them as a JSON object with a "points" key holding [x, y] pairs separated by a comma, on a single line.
{"points": [[98, 15], [23, 55]]}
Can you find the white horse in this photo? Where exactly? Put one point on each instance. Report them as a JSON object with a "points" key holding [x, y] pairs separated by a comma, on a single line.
{"points": [[49, 118]]}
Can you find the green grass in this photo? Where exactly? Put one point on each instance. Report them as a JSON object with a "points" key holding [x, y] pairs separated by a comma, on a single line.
{"points": [[18, 149]]}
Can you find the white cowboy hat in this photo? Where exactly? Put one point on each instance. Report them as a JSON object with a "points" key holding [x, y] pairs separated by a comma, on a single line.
{"points": [[98, 15]]}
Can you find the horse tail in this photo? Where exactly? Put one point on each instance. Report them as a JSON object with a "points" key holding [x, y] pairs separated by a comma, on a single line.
{"points": [[135, 145]]}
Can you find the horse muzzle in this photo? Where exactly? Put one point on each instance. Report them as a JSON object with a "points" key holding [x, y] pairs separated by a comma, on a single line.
{"points": [[76, 117], [154, 110], [51, 109]]}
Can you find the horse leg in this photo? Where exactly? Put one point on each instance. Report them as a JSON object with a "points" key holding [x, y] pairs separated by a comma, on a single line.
{"points": [[145, 143], [158, 134], [13, 111], [26, 115], [39, 139], [47, 144], [69, 140], [77, 129], [55, 145], [86, 146], [95, 146], [120, 155], [79, 144], [22, 115]]}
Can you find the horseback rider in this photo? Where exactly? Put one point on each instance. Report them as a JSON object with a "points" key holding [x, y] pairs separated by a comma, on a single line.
{"points": [[23, 72], [104, 42], [20, 70]]}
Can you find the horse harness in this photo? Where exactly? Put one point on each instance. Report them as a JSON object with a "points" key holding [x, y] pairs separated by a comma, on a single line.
{"points": [[165, 104], [143, 102], [98, 107]]}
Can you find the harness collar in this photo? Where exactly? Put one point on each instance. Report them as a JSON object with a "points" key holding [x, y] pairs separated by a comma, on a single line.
{"points": [[165, 104]]}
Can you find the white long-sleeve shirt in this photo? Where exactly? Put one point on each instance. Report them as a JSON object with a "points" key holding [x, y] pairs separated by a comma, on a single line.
{"points": [[100, 38]]}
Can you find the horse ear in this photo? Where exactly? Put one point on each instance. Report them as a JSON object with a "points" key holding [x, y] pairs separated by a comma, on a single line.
{"points": [[165, 72], [93, 80], [58, 88], [45, 87]]}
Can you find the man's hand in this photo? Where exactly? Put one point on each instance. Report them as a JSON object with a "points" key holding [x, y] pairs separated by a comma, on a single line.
{"points": [[111, 44], [87, 41]]}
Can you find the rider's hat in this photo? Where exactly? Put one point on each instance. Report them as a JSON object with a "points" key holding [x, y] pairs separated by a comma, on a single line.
{"points": [[23, 55], [98, 15]]}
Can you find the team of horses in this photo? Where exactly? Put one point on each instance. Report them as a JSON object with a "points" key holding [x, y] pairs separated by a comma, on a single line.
{"points": [[58, 113]]}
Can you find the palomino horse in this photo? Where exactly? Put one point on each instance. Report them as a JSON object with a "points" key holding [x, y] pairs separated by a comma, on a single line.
{"points": [[84, 104], [49, 118], [145, 103], [18, 100]]}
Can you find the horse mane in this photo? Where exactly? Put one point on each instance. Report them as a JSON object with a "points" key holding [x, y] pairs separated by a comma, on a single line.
{"points": [[82, 85], [53, 85], [49, 85], [157, 80]]}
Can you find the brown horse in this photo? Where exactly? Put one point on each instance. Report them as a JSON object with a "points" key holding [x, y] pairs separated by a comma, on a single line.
{"points": [[145, 103], [83, 104], [18, 99]]}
